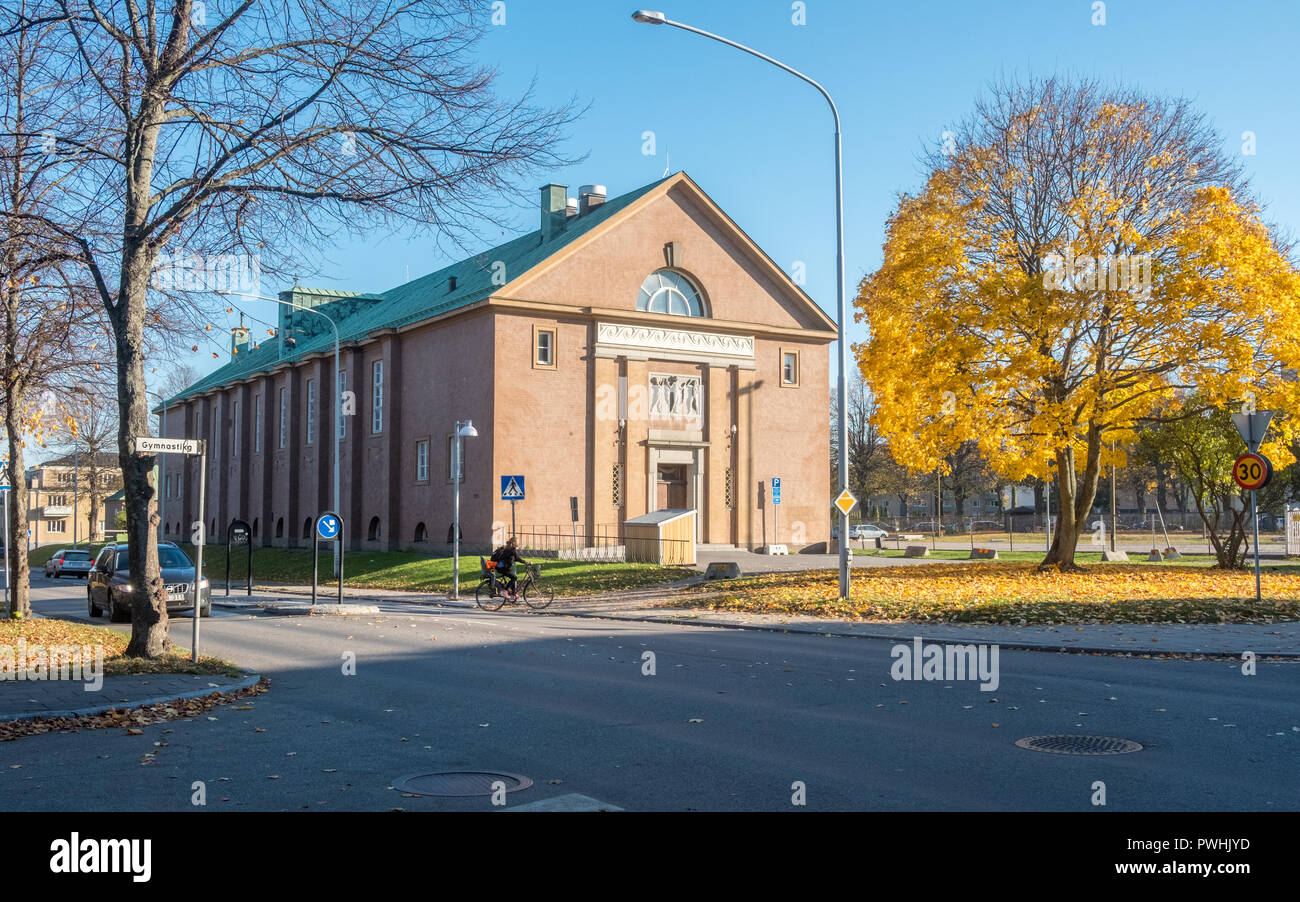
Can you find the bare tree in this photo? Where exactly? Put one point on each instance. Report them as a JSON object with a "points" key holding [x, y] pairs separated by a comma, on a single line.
{"points": [[48, 322], [258, 130]]}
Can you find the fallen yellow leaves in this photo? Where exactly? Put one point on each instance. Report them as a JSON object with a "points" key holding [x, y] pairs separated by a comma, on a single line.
{"points": [[133, 719], [1015, 593]]}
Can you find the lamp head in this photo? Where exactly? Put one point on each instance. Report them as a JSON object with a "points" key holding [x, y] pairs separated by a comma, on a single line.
{"points": [[649, 17], [468, 430]]}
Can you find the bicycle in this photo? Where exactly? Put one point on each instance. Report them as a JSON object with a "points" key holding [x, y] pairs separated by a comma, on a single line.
{"points": [[488, 596]]}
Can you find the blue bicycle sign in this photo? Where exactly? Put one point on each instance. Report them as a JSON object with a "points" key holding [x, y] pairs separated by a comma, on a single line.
{"points": [[327, 526]]}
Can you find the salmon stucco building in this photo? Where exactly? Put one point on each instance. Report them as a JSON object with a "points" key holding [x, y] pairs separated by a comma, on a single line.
{"points": [[637, 353]]}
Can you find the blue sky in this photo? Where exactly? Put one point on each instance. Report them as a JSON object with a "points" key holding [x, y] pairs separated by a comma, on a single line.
{"points": [[759, 141]]}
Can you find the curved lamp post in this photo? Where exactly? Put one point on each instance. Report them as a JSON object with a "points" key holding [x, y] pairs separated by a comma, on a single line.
{"points": [[652, 17], [463, 431]]}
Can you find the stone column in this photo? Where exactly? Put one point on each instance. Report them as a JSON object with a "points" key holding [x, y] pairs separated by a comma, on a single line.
{"points": [[635, 450]]}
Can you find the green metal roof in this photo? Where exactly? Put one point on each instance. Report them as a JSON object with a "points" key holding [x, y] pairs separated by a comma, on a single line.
{"points": [[359, 315]]}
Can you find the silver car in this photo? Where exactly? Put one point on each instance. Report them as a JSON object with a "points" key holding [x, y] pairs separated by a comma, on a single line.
{"points": [[70, 562]]}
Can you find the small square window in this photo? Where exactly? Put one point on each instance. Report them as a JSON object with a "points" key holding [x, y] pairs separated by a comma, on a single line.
{"points": [[543, 348], [789, 367]]}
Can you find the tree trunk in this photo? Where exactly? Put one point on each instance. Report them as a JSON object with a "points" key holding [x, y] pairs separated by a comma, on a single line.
{"points": [[1077, 494], [20, 596], [149, 637]]}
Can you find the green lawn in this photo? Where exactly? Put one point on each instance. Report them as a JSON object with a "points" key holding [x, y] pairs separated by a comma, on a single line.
{"points": [[414, 572], [401, 570]]}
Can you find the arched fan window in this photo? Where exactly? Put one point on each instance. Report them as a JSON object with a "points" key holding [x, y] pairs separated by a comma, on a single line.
{"points": [[668, 291]]}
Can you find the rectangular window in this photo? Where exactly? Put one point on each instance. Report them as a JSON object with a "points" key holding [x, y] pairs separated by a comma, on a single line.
{"points": [[377, 398], [167, 488], [789, 367], [234, 443], [311, 412], [58, 526], [284, 416], [257, 424], [422, 460], [543, 348], [343, 393]]}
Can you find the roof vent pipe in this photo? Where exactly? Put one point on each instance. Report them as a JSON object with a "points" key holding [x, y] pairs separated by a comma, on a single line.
{"points": [[590, 197]]}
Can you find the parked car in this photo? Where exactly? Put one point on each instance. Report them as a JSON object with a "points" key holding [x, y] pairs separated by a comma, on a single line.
{"points": [[861, 531], [109, 586], [928, 526], [986, 526], [72, 561]]}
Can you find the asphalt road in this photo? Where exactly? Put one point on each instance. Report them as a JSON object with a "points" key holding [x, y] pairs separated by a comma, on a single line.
{"points": [[564, 701]]}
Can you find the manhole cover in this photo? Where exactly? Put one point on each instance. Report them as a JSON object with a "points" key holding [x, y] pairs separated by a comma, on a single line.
{"points": [[1079, 745], [461, 783]]}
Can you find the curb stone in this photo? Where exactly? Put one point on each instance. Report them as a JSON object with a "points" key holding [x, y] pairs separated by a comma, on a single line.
{"points": [[245, 683]]}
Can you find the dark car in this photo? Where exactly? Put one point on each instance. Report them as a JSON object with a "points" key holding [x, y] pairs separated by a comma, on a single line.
{"points": [[109, 585], [70, 561]]}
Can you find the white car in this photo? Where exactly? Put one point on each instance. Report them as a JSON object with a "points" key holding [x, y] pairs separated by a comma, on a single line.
{"points": [[70, 561], [868, 531]]}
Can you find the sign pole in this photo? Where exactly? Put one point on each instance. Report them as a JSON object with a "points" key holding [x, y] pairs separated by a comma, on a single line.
{"points": [[315, 564], [1254, 516], [198, 552], [512, 517]]}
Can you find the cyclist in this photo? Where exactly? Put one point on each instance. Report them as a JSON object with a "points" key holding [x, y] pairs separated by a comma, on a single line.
{"points": [[506, 557]]}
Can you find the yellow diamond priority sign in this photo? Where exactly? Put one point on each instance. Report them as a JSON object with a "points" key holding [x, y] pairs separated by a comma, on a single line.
{"points": [[846, 502]]}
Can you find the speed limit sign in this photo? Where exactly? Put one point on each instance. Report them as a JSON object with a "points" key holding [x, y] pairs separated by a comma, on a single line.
{"points": [[1252, 471]]}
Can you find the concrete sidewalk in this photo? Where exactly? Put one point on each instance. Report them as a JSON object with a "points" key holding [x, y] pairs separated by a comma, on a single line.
{"points": [[25, 699]]}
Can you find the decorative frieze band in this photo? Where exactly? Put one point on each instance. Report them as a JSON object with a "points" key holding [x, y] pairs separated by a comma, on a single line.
{"points": [[651, 338]]}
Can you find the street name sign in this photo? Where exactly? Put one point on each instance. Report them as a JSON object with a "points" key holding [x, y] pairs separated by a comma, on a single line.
{"points": [[167, 446]]}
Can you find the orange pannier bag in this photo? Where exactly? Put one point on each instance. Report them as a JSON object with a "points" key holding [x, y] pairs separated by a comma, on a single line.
{"points": [[491, 565]]}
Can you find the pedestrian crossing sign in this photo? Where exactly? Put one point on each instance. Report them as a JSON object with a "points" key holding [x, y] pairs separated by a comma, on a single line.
{"points": [[512, 488]]}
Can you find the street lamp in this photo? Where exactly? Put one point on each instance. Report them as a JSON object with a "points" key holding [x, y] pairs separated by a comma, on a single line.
{"points": [[338, 395], [653, 17], [463, 430]]}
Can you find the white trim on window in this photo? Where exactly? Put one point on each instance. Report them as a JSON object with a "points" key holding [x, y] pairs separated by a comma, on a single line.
{"points": [[422, 460], [283, 435], [310, 438], [257, 423], [377, 397]]}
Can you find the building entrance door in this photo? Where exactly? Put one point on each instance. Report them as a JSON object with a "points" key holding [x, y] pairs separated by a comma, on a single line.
{"points": [[670, 487]]}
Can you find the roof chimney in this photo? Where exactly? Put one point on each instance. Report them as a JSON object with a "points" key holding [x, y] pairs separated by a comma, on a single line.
{"points": [[238, 341], [571, 208], [590, 197], [553, 201]]}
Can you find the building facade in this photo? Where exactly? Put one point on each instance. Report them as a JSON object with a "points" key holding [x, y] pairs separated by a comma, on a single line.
{"points": [[636, 354], [67, 498]]}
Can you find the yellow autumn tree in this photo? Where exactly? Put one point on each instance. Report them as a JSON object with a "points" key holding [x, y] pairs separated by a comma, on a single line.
{"points": [[1079, 259]]}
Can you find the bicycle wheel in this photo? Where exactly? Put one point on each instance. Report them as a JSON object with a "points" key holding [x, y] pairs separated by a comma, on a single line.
{"points": [[484, 598], [537, 597]]}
